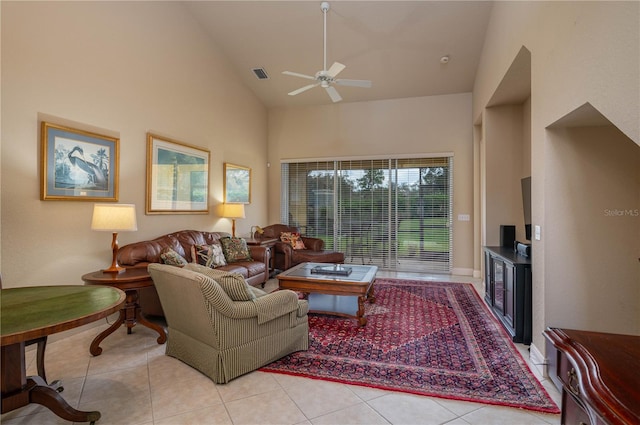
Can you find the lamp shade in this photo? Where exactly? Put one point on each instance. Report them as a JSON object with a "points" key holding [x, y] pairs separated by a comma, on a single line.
{"points": [[233, 211], [114, 218]]}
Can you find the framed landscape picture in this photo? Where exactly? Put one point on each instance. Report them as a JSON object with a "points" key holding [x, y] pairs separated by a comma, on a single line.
{"points": [[237, 184], [78, 165], [177, 177]]}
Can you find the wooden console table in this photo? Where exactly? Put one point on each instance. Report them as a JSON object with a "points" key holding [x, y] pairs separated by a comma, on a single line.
{"points": [[38, 311], [598, 374], [130, 281]]}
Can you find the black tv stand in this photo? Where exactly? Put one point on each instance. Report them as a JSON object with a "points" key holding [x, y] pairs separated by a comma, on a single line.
{"points": [[508, 290]]}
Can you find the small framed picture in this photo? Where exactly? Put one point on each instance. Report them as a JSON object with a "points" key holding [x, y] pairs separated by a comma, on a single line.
{"points": [[237, 184], [78, 165], [177, 177]]}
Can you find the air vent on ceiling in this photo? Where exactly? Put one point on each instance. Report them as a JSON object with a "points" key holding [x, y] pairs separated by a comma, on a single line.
{"points": [[260, 73]]}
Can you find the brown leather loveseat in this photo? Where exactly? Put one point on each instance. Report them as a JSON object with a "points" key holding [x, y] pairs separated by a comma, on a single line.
{"points": [[141, 254], [286, 257]]}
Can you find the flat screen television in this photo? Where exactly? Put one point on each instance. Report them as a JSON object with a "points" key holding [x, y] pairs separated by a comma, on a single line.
{"points": [[526, 205]]}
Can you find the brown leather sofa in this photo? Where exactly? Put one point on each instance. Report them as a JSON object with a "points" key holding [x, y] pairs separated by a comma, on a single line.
{"points": [[286, 257], [141, 254]]}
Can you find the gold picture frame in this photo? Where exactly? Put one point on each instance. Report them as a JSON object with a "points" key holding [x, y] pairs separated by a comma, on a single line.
{"points": [[78, 165], [177, 177], [237, 184]]}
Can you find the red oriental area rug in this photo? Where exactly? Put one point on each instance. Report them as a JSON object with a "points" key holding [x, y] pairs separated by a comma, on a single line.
{"points": [[428, 338]]}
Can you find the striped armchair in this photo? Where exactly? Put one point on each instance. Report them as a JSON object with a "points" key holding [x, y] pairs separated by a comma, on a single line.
{"points": [[223, 327]]}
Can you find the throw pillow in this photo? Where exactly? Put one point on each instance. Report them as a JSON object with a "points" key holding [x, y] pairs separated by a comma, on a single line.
{"points": [[292, 238], [171, 257], [286, 237], [233, 284], [235, 249], [297, 242], [208, 255]]}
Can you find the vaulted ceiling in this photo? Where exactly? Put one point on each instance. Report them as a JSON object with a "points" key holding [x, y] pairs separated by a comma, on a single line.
{"points": [[396, 44]]}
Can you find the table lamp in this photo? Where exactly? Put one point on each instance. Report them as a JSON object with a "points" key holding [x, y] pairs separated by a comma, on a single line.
{"points": [[233, 211], [114, 218]]}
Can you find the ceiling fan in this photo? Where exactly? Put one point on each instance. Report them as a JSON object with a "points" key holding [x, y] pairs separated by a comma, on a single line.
{"points": [[327, 77]]}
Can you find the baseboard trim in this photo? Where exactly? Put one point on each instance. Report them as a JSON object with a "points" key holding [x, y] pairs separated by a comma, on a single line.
{"points": [[538, 360], [462, 272]]}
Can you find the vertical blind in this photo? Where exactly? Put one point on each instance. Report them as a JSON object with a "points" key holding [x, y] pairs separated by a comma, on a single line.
{"points": [[393, 213]]}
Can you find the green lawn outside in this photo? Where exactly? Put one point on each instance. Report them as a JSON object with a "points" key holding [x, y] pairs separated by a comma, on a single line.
{"points": [[435, 238]]}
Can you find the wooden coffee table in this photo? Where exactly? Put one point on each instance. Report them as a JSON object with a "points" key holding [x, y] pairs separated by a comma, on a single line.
{"points": [[328, 292]]}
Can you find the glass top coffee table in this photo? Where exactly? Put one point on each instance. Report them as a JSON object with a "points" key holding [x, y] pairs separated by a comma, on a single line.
{"points": [[337, 289]]}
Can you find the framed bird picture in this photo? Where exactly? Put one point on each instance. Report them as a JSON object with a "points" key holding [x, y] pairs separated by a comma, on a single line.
{"points": [[78, 165]]}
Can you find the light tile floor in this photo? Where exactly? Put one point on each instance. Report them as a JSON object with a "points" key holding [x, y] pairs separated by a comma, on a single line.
{"points": [[133, 382]]}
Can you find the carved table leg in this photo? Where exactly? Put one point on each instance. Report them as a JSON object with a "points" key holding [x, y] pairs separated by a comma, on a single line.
{"points": [[130, 315], [162, 338], [130, 308], [18, 390], [95, 350], [52, 400], [361, 319], [370, 296]]}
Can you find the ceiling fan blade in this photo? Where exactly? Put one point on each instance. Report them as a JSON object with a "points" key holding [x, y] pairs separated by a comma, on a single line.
{"points": [[335, 69], [333, 94], [295, 74], [354, 83], [301, 89]]}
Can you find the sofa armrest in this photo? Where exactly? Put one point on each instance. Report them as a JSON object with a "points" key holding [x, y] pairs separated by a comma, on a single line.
{"points": [[283, 248], [276, 304], [265, 308], [303, 308], [313, 244], [259, 254], [286, 252]]}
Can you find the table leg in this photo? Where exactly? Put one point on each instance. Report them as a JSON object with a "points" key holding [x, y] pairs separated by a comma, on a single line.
{"points": [[130, 315], [14, 377], [134, 316], [370, 296], [18, 391], [361, 319], [95, 350], [52, 400], [361, 300], [162, 338], [130, 308]]}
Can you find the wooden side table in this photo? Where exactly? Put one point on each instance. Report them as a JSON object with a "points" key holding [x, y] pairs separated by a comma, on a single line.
{"points": [[268, 244], [130, 281]]}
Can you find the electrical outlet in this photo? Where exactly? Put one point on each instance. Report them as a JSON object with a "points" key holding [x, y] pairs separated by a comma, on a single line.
{"points": [[464, 217], [537, 232]]}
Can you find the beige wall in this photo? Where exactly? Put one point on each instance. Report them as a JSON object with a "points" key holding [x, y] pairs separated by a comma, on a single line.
{"points": [[123, 69], [593, 227], [422, 125], [581, 53], [504, 165]]}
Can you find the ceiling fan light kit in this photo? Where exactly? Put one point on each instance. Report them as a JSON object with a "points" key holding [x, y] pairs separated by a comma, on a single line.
{"points": [[326, 77]]}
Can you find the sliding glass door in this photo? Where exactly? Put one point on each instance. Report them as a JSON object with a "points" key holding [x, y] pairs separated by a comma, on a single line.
{"points": [[393, 213]]}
